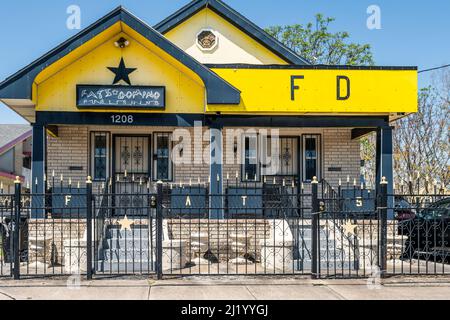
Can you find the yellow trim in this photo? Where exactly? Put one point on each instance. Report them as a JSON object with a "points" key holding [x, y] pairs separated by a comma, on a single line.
{"points": [[55, 87], [268, 91]]}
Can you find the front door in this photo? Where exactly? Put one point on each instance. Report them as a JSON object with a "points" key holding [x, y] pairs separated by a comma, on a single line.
{"points": [[131, 173]]}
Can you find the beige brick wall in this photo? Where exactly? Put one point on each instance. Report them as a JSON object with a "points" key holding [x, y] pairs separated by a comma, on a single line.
{"points": [[339, 150], [71, 149], [221, 234]]}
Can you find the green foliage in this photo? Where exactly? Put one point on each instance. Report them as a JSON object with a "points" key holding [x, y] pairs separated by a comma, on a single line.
{"points": [[316, 43]]}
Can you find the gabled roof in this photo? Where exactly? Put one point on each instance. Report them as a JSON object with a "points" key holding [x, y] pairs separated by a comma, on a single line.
{"points": [[19, 85], [237, 20], [12, 134]]}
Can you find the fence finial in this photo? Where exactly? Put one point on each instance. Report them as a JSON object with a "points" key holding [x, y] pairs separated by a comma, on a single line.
{"points": [[89, 180], [17, 180], [314, 180], [383, 180]]}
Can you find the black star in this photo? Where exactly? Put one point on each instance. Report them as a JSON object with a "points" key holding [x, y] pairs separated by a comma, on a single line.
{"points": [[122, 72]]}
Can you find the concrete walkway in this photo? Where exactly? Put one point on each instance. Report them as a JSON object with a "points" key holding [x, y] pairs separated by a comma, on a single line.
{"points": [[196, 288]]}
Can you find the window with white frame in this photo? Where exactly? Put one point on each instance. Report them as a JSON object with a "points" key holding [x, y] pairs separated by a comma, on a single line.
{"points": [[162, 147], [311, 156], [250, 165], [99, 155]]}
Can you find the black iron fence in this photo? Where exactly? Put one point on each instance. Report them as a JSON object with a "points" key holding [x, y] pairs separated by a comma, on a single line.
{"points": [[277, 226]]}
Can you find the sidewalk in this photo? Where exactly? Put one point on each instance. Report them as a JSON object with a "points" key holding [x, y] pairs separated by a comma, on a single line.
{"points": [[208, 288]]}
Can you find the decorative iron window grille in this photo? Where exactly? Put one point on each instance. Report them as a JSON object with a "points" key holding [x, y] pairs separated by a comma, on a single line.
{"points": [[99, 155]]}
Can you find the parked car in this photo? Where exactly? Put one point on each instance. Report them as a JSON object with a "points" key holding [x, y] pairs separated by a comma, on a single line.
{"points": [[403, 209], [428, 233]]}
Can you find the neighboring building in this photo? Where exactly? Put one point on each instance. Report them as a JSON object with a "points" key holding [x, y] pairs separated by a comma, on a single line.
{"points": [[15, 155], [113, 95]]}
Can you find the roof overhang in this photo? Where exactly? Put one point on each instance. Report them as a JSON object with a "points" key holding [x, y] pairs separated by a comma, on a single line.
{"points": [[236, 19], [14, 142], [17, 90]]}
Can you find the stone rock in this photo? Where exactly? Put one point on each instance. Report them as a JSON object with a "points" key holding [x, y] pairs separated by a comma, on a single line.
{"points": [[240, 261]]}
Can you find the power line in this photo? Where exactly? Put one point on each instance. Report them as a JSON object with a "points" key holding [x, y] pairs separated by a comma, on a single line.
{"points": [[437, 68]]}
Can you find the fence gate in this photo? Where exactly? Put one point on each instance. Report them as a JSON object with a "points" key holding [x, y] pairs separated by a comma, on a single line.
{"points": [[125, 228], [349, 232]]}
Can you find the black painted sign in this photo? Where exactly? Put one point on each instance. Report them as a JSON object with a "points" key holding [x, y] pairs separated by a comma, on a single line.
{"points": [[96, 96]]}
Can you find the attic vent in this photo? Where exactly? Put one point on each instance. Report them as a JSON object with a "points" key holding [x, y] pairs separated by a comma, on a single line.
{"points": [[207, 40]]}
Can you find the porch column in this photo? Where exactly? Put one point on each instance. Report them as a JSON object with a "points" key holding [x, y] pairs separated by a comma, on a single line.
{"points": [[215, 169], [38, 171], [384, 164]]}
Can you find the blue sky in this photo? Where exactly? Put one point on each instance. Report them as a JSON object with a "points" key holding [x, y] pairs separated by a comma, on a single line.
{"points": [[413, 32]]}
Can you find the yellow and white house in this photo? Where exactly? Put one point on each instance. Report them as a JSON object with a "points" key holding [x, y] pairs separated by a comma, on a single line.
{"points": [[121, 97]]}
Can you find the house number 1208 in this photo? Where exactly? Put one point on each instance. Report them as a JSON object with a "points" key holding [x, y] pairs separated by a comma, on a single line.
{"points": [[122, 119]]}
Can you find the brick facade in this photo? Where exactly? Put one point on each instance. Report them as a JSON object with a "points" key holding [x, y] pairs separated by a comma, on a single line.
{"points": [[71, 149]]}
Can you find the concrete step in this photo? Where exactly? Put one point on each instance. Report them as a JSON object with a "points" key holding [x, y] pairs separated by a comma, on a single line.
{"points": [[307, 242], [137, 233], [324, 254], [126, 267], [327, 266], [129, 244], [122, 254]]}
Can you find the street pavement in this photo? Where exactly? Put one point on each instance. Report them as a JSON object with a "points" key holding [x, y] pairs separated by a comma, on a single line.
{"points": [[225, 288]]}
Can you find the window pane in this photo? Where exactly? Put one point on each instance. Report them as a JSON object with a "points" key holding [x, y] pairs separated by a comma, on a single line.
{"points": [[163, 147], [310, 148], [250, 159], [311, 157], [310, 169], [100, 168], [163, 169], [100, 145], [100, 156], [163, 161]]}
